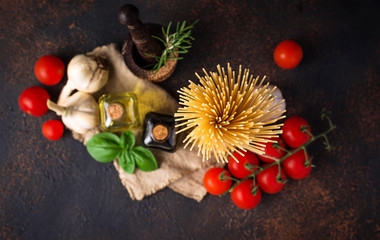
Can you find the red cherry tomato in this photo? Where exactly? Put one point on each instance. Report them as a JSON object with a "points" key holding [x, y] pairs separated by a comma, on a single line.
{"points": [[288, 54], [33, 101], [292, 132], [214, 183], [49, 69], [294, 165], [267, 179], [240, 169], [273, 152], [242, 195], [53, 129]]}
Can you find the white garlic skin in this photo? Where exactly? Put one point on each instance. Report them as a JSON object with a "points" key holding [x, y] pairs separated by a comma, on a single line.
{"points": [[82, 113], [277, 98], [87, 73]]}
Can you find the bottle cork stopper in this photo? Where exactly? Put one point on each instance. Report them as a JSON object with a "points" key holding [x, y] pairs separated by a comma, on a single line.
{"points": [[115, 111], [160, 132]]}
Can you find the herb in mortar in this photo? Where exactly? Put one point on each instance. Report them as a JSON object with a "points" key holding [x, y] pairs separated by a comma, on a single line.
{"points": [[105, 147], [174, 43]]}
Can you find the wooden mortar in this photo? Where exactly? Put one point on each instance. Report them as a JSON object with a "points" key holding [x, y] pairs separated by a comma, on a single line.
{"points": [[139, 44]]}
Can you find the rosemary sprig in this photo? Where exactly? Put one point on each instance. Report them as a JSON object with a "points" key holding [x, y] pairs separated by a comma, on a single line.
{"points": [[175, 43]]}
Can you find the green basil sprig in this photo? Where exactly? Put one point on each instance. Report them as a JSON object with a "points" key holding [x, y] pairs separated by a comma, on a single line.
{"points": [[105, 147]]}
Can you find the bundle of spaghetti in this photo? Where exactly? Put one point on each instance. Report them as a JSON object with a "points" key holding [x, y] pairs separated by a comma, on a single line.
{"points": [[228, 113]]}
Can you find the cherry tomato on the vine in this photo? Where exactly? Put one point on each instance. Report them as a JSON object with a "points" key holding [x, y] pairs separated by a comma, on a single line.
{"points": [[292, 131], [288, 54], [242, 195], [267, 179], [294, 165], [53, 129], [49, 69], [33, 101], [241, 169], [271, 151], [215, 183]]}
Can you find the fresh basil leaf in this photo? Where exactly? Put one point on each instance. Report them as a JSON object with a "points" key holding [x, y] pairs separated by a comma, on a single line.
{"points": [[127, 162], [104, 147], [127, 140], [145, 159]]}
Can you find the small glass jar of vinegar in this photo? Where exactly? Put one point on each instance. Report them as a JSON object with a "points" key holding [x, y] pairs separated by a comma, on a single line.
{"points": [[119, 112], [159, 132]]}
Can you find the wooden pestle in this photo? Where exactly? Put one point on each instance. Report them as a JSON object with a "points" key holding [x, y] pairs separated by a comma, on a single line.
{"points": [[141, 36]]}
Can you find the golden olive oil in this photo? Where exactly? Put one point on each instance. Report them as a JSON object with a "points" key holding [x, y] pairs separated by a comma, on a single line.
{"points": [[119, 112]]}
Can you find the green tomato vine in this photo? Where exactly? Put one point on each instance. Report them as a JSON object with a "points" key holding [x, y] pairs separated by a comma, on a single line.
{"points": [[324, 116]]}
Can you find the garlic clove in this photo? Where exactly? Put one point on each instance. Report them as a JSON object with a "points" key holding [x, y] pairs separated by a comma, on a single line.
{"points": [[80, 112]]}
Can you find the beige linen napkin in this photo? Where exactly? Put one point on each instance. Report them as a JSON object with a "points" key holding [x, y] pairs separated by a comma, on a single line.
{"points": [[181, 170]]}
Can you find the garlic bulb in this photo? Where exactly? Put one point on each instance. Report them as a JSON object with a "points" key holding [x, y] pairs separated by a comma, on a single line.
{"points": [[80, 112], [85, 73], [278, 105]]}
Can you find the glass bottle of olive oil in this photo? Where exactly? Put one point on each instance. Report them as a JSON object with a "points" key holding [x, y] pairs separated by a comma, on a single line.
{"points": [[119, 112]]}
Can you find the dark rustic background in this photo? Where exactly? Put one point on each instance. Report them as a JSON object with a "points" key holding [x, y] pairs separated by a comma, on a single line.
{"points": [[54, 190]]}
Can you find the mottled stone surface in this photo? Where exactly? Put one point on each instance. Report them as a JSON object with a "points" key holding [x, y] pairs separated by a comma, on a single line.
{"points": [[54, 190]]}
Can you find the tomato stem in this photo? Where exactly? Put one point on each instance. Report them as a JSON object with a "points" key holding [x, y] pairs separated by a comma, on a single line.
{"points": [[223, 176], [307, 160], [281, 148], [254, 189], [327, 143], [273, 158], [251, 167], [306, 129], [278, 177]]}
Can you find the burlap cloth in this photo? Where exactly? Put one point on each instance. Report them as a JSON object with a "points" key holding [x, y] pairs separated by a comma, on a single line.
{"points": [[182, 170]]}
